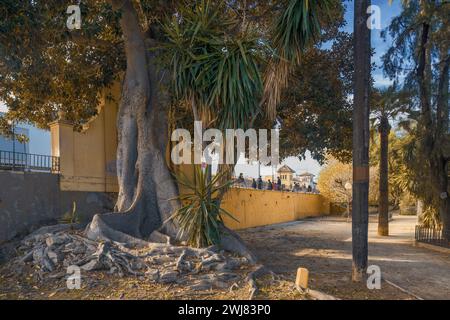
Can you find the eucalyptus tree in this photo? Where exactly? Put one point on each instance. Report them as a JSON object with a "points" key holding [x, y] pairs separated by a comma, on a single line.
{"points": [[420, 54]]}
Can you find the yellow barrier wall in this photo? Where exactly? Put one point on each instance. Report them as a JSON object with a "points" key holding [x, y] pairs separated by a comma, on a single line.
{"points": [[255, 208], [88, 158], [87, 163]]}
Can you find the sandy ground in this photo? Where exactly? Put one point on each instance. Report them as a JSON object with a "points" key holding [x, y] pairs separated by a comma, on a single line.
{"points": [[323, 245], [102, 286]]}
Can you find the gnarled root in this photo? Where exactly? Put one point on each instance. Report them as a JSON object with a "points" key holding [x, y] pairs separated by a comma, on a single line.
{"points": [[116, 261], [232, 242], [260, 271], [108, 227], [119, 228], [122, 228], [196, 269]]}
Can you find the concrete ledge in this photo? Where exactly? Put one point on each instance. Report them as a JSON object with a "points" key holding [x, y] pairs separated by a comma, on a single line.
{"points": [[88, 184], [432, 247]]}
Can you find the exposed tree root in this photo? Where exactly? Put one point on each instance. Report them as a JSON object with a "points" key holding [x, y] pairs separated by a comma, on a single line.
{"points": [[115, 227], [99, 229], [260, 271], [232, 242], [197, 269]]}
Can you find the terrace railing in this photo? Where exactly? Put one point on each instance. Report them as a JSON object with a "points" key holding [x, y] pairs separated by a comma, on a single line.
{"points": [[17, 161], [432, 236]]}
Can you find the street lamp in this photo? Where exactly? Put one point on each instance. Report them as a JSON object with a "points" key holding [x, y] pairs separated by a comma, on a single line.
{"points": [[348, 188]]}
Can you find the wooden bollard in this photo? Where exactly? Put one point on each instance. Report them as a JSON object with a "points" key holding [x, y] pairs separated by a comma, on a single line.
{"points": [[302, 278]]}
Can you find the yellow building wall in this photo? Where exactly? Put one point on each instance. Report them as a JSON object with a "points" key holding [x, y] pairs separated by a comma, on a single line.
{"points": [[287, 182], [287, 179], [253, 208], [88, 158]]}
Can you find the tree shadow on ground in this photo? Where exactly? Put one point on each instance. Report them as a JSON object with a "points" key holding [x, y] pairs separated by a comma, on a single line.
{"points": [[327, 255]]}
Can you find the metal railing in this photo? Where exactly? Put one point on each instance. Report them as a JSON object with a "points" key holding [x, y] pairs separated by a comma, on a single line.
{"points": [[432, 236], [17, 161]]}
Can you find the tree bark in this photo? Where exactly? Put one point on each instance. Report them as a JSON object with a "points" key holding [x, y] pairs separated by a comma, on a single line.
{"points": [[442, 131], [146, 188], [360, 204], [147, 191], [435, 132], [383, 202]]}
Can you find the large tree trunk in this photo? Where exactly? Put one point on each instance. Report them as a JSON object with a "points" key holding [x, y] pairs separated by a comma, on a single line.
{"points": [[441, 169], [442, 130], [360, 204], [435, 132], [383, 202], [146, 188], [147, 191]]}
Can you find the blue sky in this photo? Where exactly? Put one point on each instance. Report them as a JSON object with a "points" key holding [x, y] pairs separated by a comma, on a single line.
{"points": [[40, 140], [380, 46]]}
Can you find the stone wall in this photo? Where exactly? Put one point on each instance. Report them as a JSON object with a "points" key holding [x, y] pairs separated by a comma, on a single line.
{"points": [[29, 200]]}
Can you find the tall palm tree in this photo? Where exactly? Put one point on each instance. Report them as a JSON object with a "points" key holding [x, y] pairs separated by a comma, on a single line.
{"points": [[387, 104], [361, 136]]}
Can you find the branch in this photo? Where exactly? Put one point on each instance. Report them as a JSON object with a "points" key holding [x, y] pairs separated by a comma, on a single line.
{"points": [[421, 75], [81, 39]]}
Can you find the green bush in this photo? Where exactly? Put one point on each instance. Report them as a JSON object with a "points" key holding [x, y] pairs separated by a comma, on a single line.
{"points": [[70, 217]]}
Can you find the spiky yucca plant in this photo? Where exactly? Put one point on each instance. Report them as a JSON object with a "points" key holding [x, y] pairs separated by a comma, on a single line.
{"points": [[214, 66], [200, 215]]}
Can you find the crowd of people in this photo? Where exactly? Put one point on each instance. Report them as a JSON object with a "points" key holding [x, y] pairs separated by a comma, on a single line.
{"points": [[271, 185]]}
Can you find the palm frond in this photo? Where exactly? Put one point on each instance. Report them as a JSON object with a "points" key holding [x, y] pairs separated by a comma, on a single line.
{"points": [[218, 73], [295, 29]]}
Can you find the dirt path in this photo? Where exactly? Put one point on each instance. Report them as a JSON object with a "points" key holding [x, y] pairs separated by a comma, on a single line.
{"points": [[323, 245]]}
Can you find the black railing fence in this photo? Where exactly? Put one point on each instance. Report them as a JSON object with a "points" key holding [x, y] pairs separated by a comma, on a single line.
{"points": [[433, 236], [18, 161]]}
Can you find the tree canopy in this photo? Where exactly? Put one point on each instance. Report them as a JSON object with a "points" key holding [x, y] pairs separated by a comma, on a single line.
{"points": [[316, 112], [419, 56], [46, 68]]}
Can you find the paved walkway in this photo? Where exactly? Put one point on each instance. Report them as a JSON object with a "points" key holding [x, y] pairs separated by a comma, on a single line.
{"points": [[323, 245]]}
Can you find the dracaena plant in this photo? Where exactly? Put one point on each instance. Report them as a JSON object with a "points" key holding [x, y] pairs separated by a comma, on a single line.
{"points": [[200, 216], [215, 67]]}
